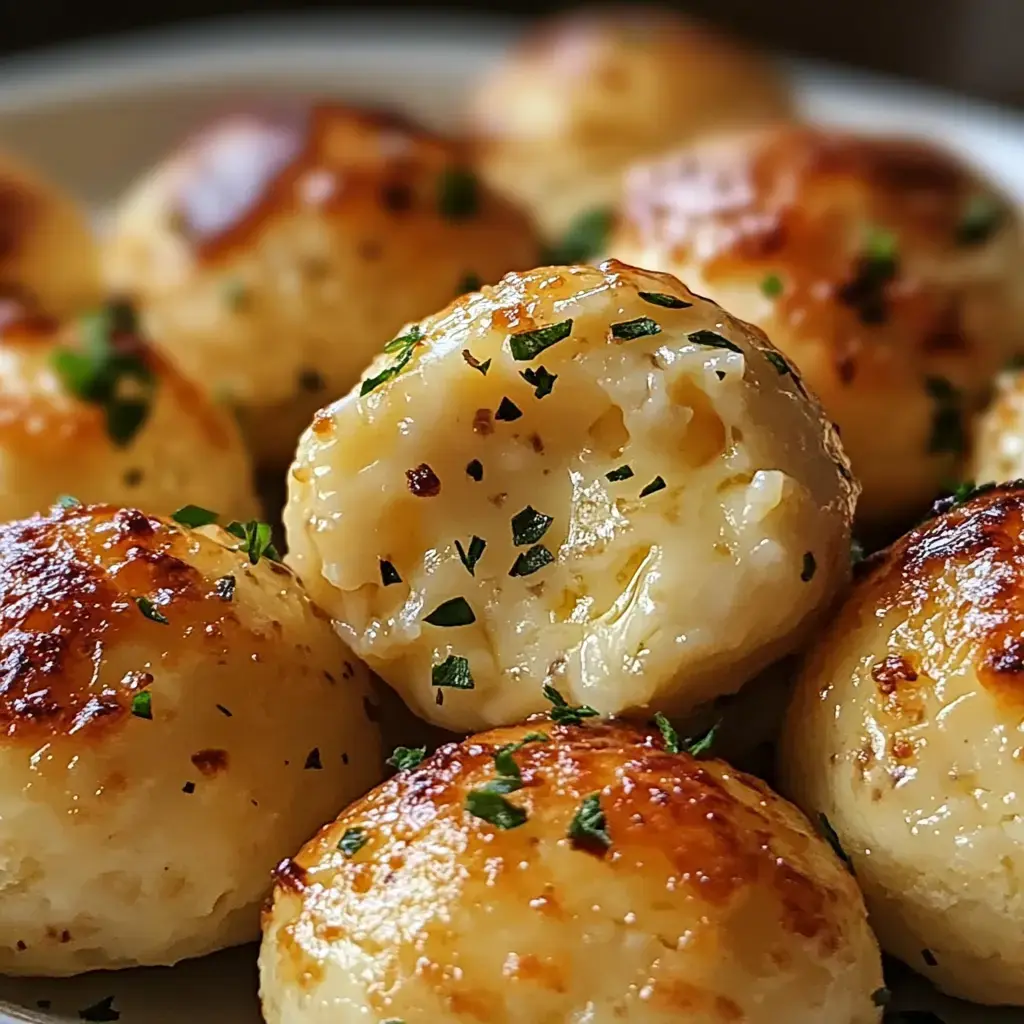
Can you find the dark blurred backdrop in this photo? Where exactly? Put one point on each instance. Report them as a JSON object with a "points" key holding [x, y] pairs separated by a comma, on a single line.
{"points": [[970, 45]]}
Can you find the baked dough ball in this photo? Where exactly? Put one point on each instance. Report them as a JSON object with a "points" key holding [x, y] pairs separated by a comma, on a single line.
{"points": [[584, 476], [905, 733], [176, 719], [89, 410], [998, 452], [558, 121], [620, 883], [888, 271], [48, 257], [273, 259]]}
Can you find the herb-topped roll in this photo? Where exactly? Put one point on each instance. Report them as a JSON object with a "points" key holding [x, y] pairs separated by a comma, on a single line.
{"points": [[176, 718], [88, 409], [580, 476], [588, 93], [905, 735], [558, 871], [48, 257], [273, 257], [886, 269]]}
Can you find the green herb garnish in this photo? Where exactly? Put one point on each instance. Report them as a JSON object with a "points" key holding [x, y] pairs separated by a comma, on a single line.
{"points": [[881, 251], [475, 363], [657, 484], [622, 473], [661, 299], [454, 612], [980, 221], [541, 380], [475, 470], [712, 339], [142, 705], [668, 733], [151, 611], [771, 286], [457, 193], [68, 501], [505, 762], [584, 239], [257, 540], [698, 746], [529, 344], [453, 672], [947, 434], [471, 555], [629, 330], [589, 826], [494, 809], [313, 762], [401, 346], [809, 568], [407, 758], [508, 411], [531, 561], [388, 573], [529, 525], [778, 362], [194, 515], [564, 713], [352, 841]]}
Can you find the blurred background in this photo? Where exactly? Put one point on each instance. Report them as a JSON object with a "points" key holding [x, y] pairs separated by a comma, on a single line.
{"points": [[972, 46]]}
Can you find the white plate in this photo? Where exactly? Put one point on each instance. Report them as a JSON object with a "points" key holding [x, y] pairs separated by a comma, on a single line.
{"points": [[94, 116]]}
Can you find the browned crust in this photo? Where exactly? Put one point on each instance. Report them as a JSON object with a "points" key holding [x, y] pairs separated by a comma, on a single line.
{"points": [[19, 213]]}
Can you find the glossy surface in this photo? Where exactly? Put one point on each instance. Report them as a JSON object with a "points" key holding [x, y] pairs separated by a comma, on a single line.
{"points": [[906, 733], [130, 839], [660, 596], [272, 257], [582, 97], [880, 266], [188, 448], [713, 901], [998, 451]]}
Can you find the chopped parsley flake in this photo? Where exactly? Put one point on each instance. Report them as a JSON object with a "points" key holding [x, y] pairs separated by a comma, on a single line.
{"points": [[661, 299], [470, 283], [508, 411], [584, 239], [657, 484], [510, 777], [771, 286], [712, 339], [352, 841], [621, 473], [505, 762], [628, 330], [103, 1011], [194, 515], [668, 733], [407, 758], [401, 346], [531, 561], [471, 555], [541, 380], [494, 809], [454, 612], [388, 573], [969, 489], [113, 376], [881, 250], [68, 501], [313, 762], [475, 363], [224, 588], [528, 345], [981, 219], [947, 434], [698, 746], [589, 826], [877, 264], [257, 540], [189, 788], [777, 360], [458, 195], [832, 836], [142, 705], [453, 672], [151, 611], [810, 567], [475, 470], [564, 713], [529, 525]]}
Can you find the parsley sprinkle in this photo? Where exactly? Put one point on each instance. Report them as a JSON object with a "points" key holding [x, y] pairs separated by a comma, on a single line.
{"points": [[564, 713], [505, 763], [407, 758], [698, 746], [529, 525], [531, 561], [502, 784], [832, 837], [494, 809], [589, 827], [629, 330], [471, 555], [114, 377], [661, 299], [778, 362], [470, 283], [881, 251], [475, 470], [508, 411], [403, 347], [457, 193], [103, 1011], [352, 841], [68, 501], [257, 540], [151, 611], [142, 705], [668, 733], [542, 381], [528, 345], [454, 612], [388, 573], [313, 762], [947, 434], [510, 777], [225, 588], [475, 363], [194, 515], [584, 239], [810, 567], [711, 339], [771, 286], [622, 473], [453, 672], [189, 788], [657, 484], [980, 221]]}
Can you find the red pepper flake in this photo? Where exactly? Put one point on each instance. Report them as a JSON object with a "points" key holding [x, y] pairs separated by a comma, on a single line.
{"points": [[423, 481]]}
